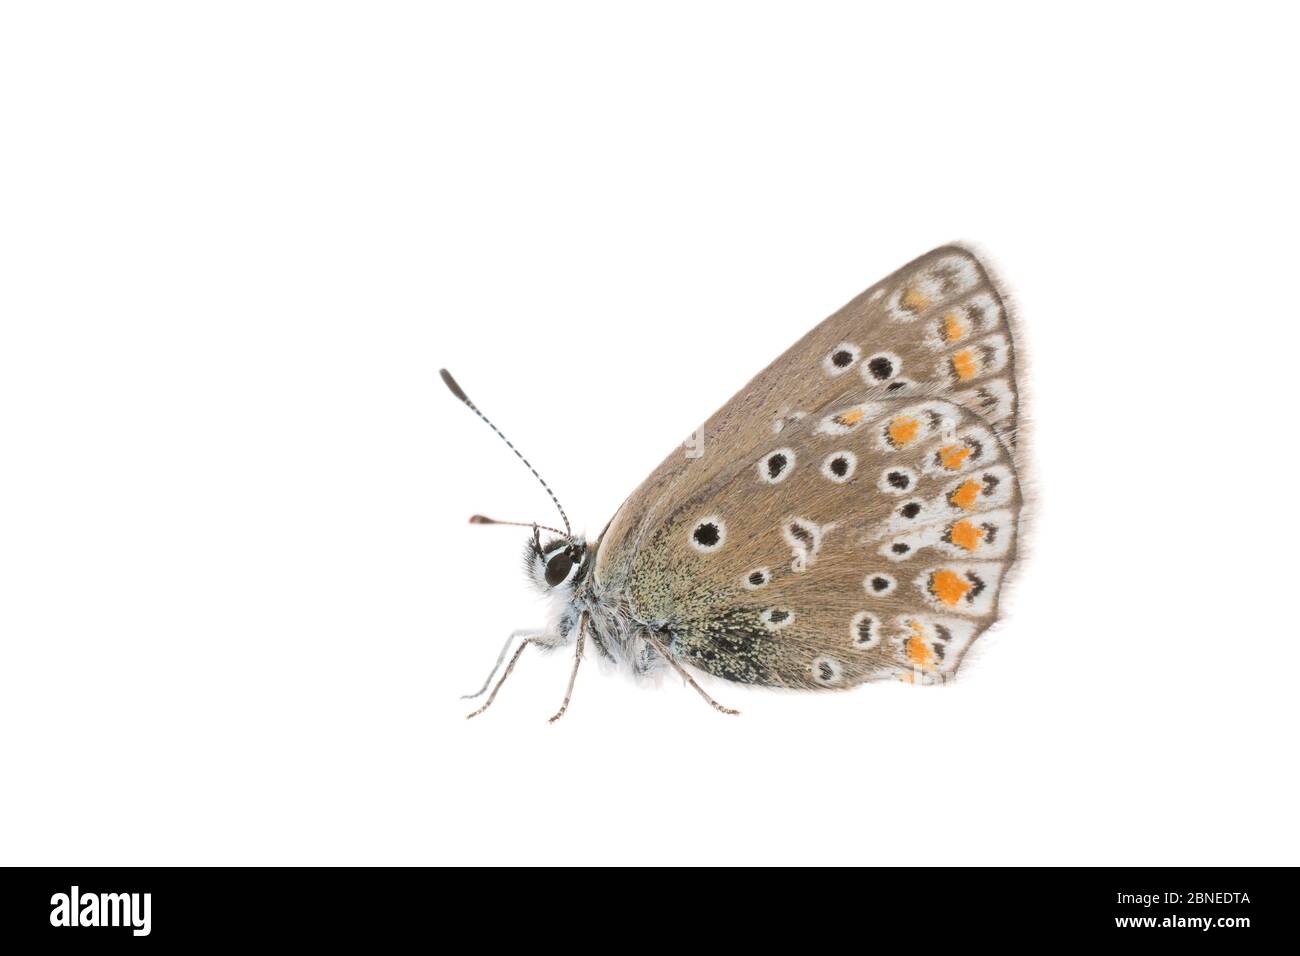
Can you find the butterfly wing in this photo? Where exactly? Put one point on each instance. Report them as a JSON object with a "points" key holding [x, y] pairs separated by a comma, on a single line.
{"points": [[850, 513]]}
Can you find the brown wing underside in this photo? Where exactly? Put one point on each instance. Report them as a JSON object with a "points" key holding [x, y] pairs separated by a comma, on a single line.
{"points": [[854, 507]]}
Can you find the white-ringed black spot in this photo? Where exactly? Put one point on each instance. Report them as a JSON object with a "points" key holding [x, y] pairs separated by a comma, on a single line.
{"points": [[841, 358], [804, 538], [864, 629], [775, 618], [708, 534], [878, 584], [897, 480], [910, 510], [881, 367], [801, 534], [839, 466], [826, 671], [776, 465], [757, 578]]}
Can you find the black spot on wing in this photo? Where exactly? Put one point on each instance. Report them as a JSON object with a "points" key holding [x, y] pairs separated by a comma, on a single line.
{"points": [[707, 534], [803, 534], [881, 367]]}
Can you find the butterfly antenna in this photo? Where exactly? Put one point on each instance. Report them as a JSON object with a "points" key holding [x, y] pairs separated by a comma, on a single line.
{"points": [[460, 393], [484, 519]]}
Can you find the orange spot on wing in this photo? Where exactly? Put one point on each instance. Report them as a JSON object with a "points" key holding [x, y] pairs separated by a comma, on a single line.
{"points": [[951, 456], [903, 429], [966, 535], [953, 327], [851, 417], [948, 586], [914, 300], [918, 651], [964, 365], [965, 494]]}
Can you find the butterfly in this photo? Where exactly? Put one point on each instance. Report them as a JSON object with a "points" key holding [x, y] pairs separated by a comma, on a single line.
{"points": [[850, 515]]}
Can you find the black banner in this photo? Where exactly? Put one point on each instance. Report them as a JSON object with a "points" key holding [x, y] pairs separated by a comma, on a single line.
{"points": [[145, 907]]}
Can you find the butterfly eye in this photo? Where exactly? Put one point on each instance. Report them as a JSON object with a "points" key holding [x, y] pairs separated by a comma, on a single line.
{"points": [[558, 568]]}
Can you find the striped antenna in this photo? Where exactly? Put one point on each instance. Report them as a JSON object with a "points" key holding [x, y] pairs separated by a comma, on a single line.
{"points": [[479, 519]]}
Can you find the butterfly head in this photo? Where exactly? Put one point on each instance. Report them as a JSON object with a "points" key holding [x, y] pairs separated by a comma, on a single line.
{"points": [[556, 565]]}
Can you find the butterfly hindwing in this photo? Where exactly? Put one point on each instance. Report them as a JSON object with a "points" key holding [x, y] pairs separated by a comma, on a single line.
{"points": [[851, 512], [821, 578]]}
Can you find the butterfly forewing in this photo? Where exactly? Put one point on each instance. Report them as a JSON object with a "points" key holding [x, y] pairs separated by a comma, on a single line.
{"points": [[851, 512]]}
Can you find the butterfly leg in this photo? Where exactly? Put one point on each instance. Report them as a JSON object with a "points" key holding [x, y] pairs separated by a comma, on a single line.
{"points": [[573, 676], [501, 657], [663, 652], [509, 667]]}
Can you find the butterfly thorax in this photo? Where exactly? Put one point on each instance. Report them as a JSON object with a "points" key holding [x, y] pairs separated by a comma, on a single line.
{"points": [[612, 625], [560, 569]]}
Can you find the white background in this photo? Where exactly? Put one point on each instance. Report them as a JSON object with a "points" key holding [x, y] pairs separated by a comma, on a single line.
{"points": [[239, 593]]}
